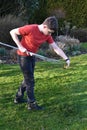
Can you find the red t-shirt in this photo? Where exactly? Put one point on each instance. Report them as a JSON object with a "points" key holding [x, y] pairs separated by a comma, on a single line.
{"points": [[32, 38]]}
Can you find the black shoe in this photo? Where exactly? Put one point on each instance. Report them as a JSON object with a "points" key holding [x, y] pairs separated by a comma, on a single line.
{"points": [[16, 101], [34, 106]]}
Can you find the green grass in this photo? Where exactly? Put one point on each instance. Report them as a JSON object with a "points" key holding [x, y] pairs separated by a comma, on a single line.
{"points": [[83, 46], [62, 92]]}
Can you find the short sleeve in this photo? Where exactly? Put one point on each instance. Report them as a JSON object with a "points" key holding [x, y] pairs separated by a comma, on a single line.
{"points": [[50, 40], [24, 30]]}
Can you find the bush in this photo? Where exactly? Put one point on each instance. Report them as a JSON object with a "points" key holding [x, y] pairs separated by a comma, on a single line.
{"points": [[71, 46], [2, 51], [80, 34], [7, 23]]}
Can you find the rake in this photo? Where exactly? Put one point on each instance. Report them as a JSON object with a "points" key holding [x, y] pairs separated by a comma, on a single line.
{"points": [[31, 53]]}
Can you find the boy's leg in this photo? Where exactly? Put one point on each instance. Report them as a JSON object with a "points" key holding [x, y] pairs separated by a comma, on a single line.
{"points": [[27, 66], [29, 81], [20, 94]]}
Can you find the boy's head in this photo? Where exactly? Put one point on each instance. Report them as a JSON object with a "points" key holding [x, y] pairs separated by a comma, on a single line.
{"points": [[51, 23]]}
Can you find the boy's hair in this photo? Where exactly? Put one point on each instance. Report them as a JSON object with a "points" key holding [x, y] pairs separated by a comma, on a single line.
{"points": [[51, 22]]}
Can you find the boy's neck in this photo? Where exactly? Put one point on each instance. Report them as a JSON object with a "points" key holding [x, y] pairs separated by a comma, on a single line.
{"points": [[40, 27]]}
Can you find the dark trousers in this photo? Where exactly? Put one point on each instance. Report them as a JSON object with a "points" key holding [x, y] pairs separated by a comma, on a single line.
{"points": [[27, 64]]}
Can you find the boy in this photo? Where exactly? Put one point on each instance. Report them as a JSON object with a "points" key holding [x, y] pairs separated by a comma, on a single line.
{"points": [[32, 37]]}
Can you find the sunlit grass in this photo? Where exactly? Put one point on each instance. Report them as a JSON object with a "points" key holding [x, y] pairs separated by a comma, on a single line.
{"points": [[62, 92]]}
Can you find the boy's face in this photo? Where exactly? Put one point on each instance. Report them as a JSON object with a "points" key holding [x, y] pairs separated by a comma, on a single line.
{"points": [[47, 31]]}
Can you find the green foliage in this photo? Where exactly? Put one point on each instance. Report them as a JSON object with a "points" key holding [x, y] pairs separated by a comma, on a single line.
{"points": [[62, 92], [35, 11], [27, 9], [75, 11], [42, 12], [9, 7]]}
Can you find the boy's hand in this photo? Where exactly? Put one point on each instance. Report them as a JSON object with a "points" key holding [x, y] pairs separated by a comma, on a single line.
{"points": [[22, 49], [67, 63], [29, 53]]}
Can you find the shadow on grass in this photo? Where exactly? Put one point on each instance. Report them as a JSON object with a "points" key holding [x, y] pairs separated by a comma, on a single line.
{"points": [[9, 71], [64, 100]]}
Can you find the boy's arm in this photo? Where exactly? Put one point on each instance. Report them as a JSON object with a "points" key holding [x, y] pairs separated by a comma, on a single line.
{"points": [[60, 53], [14, 34]]}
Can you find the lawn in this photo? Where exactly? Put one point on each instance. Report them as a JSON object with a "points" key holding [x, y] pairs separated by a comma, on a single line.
{"points": [[62, 92]]}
